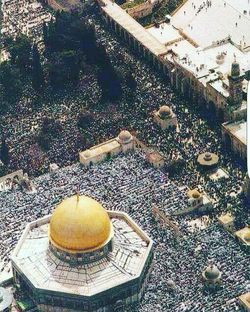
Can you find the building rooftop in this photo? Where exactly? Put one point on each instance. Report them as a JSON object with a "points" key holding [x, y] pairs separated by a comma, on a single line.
{"points": [[226, 218], [218, 86], [155, 157], [133, 27], [34, 258], [165, 33], [101, 149], [238, 130], [195, 17], [244, 235], [245, 300]]}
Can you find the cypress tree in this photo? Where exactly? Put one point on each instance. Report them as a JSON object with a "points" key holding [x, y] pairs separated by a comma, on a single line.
{"points": [[37, 71], [5, 157]]}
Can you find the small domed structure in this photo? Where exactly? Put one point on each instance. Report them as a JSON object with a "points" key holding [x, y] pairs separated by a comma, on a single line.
{"points": [[212, 273], [79, 224], [211, 276], [165, 112], [220, 58], [170, 284], [208, 156], [195, 198], [165, 118], [195, 194], [124, 136], [208, 159]]}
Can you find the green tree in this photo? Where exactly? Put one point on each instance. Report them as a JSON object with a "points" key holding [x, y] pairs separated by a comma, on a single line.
{"points": [[4, 152], [110, 83], [10, 82], [45, 33], [63, 68], [20, 52], [37, 71], [84, 120]]}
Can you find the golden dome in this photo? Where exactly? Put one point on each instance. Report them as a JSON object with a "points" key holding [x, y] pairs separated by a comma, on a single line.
{"points": [[79, 224]]}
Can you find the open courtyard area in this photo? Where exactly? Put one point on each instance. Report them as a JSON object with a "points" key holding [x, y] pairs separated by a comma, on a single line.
{"points": [[128, 184]]}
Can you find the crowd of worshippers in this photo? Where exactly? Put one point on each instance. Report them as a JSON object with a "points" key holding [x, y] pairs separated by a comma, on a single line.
{"points": [[192, 137], [128, 183], [23, 17]]}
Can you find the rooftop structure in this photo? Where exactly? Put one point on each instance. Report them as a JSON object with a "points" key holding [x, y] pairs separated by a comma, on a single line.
{"points": [[244, 236], [123, 143], [226, 218], [89, 253], [131, 26], [234, 137], [223, 17], [198, 62], [245, 301], [165, 117], [6, 299], [208, 159], [238, 130], [156, 159]]}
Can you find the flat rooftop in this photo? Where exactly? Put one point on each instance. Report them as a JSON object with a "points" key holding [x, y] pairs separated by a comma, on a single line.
{"points": [[46, 271], [101, 149], [223, 18], [200, 62], [133, 27], [238, 130], [165, 33]]}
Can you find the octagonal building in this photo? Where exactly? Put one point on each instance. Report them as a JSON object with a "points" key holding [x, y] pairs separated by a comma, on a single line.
{"points": [[82, 258]]}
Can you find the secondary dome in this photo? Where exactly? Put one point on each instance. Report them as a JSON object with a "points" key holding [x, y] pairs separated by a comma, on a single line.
{"points": [[194, 194], [208, 159], [79, 224], [124, 136], [212, 272], [164, 111]]}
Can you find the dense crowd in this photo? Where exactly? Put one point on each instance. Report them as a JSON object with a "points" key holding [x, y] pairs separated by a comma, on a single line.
{"points": [[129, 184], [26, 17], [134, 113]]}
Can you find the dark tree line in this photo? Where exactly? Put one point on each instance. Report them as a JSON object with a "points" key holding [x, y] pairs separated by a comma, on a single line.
{"points": [[71, 50], [71, 46]]}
